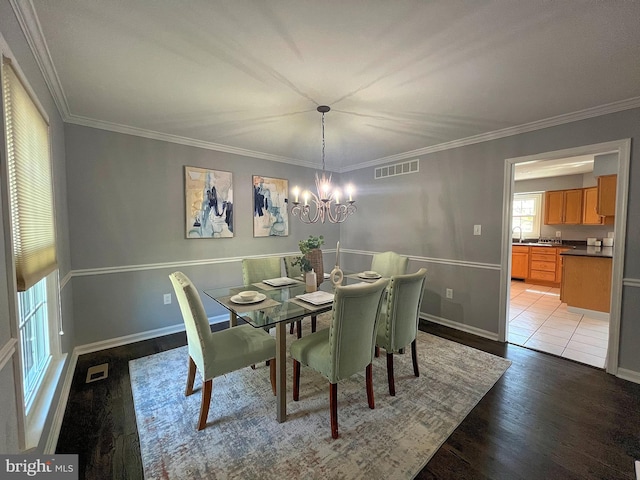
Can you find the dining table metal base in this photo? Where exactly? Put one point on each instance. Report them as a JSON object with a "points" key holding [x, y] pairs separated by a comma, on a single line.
{"points": [[281, 372]]}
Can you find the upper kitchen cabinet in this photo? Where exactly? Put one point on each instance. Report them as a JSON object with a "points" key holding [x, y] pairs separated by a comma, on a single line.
{"points": [[563, 207], [590, 207], [607, 195]]}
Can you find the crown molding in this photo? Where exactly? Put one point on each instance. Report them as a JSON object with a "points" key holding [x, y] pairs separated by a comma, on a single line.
{"points": [[614, 107], [30, 25], [191, 142]]}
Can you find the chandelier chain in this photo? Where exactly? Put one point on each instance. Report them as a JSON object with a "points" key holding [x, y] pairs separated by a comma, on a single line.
{"points": [[323, 141]]}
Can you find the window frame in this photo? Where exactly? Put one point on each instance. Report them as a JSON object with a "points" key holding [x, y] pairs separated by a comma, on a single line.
{"points": [[538, 216], [31, 412]]}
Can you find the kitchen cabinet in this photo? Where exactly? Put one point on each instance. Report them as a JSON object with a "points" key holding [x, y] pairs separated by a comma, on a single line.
{"points": [[537, 265], [607, 195], [563, 207], [559, 258], [590, 214], [542, 265], [519, 262], [586, 282]]}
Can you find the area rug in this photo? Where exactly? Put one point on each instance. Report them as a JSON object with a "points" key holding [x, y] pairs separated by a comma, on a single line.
{"points": [[243, 439]]}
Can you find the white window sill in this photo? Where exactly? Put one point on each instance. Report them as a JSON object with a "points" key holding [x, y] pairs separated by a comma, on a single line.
{"points": [[39, 411]]}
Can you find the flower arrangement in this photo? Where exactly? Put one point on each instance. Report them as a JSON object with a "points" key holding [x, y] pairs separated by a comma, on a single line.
{"points": [[306, 247]]}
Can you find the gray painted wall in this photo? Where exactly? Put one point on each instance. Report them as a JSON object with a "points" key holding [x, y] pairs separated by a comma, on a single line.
{"points": [[431, 215], [126, 209], [606, 164], [11, 34]]}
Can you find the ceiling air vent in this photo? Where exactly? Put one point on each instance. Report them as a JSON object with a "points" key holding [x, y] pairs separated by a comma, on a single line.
{"points": [[412, 166]]}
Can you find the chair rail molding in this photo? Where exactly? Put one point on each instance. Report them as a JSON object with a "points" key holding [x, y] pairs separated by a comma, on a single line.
{"points": [[7, 351], [441, 261]]}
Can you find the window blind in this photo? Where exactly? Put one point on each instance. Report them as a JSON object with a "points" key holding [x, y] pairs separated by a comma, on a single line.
{"points": [[30, 182]]}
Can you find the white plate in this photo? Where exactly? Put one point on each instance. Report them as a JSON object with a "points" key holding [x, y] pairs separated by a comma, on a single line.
{"points": [[238, 299], [317, 298], [280, 281], [369, 277]]}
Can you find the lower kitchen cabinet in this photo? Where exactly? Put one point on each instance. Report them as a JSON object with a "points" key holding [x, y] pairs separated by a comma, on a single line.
{"points": [[519, 262], [537, 265], [586, 282], [543, 264]]}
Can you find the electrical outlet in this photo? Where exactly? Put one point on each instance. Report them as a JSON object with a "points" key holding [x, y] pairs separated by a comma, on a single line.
{"points": [[558, 234], [449, 293], [167, 298], [477, 229]]}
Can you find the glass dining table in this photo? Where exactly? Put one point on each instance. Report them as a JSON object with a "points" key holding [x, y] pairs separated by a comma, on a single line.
{"points": [[275, 305]]}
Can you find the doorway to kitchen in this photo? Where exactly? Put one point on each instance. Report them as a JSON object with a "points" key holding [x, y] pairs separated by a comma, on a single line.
{"points": [[541, 315]]}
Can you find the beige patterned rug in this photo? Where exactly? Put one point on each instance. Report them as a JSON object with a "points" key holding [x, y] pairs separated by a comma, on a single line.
{"points": [[243, 439]]}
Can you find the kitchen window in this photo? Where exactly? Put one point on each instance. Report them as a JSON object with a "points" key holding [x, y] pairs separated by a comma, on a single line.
{"points": [[527, 215]]}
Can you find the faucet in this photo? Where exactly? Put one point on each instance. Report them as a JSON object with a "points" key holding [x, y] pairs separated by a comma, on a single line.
{"points": [[514, 229]]}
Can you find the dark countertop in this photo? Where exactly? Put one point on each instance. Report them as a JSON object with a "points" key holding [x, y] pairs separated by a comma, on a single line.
{"points": [[564, 244], [603, 252]]}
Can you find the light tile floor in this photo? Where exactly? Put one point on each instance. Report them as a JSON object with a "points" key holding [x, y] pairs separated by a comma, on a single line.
{"points": [[538, 320]]}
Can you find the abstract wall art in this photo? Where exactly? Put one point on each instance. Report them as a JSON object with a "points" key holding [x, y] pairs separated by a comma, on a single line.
{"points": [[270, 214], [209, 203]]}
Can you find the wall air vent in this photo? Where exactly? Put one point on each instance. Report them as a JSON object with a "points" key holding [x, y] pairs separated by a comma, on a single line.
{"points": [[403, 168]]}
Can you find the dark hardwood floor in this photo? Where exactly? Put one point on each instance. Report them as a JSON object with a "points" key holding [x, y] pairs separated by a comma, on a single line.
{"points": [[546, 418]]}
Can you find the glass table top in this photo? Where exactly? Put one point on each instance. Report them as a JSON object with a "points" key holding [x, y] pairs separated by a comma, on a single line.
{"points": [[274, 304], [280, 304]]}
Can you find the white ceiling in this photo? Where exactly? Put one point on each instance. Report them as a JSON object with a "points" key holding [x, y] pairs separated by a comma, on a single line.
{"points": [[402, 77], [554, 168]]}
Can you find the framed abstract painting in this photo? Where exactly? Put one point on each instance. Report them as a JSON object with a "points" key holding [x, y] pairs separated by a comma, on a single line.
{"points": [[209, 203], [270, 214]]}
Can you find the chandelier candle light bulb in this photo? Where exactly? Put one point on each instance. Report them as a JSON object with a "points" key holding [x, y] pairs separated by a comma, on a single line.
{"points": [[325, 204]]}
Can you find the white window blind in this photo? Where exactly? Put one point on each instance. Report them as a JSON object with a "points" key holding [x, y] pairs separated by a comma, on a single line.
{"points": [[30, 183]]}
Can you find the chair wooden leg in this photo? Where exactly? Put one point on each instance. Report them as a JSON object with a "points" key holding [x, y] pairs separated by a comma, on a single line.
{"points": [[296, 380], [204, 403], [333, 408], [377, 351], [299, 328], [272, 374], [291, 328], [313, 323], [392, 385], [414, 356], [191, 376], [370, 398]]}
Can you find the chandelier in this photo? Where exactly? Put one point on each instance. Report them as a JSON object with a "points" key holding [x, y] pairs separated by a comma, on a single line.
{"points": [[325, 204]]}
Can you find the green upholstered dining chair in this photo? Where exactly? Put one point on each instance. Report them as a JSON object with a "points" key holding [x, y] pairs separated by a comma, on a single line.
{"points": [[291, 270], [347, 346], [259, 269], [389, 263], [214, 354], [398, 324]]}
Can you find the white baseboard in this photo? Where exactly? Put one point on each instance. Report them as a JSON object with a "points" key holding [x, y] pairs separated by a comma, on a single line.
{"points": [[137, 337], [629, 375], [589, 313], [459, 326]]}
